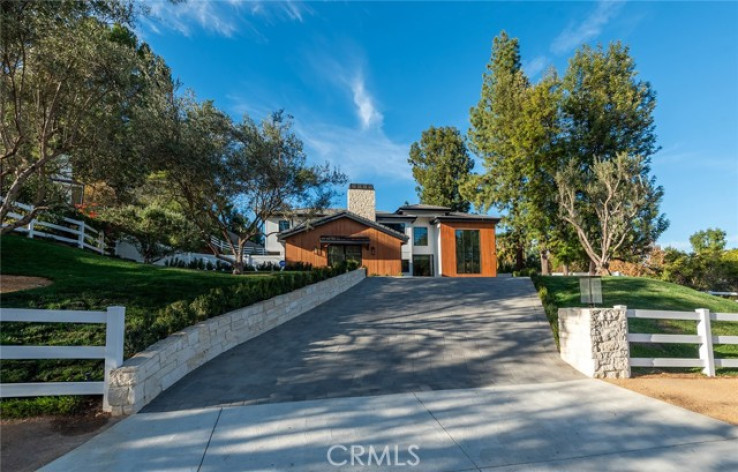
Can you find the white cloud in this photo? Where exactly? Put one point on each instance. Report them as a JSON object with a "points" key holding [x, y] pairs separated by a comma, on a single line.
{"points": [[224, 18], [361, 154], [591, 27], [365, 108], [535, 66]]}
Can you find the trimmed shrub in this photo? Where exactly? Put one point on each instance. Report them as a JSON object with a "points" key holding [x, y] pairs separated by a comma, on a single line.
{"points": [[180, 314]]}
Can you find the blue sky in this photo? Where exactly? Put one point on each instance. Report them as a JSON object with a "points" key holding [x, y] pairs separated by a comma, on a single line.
{"points": [[363, 80]]}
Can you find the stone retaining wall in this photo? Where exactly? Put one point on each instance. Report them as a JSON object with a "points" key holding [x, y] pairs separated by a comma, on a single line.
{"points": [[595, 341], [145, 375]]}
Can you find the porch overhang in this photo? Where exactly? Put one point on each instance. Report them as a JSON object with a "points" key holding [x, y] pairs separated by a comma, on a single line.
{"points": [[344, 241]]}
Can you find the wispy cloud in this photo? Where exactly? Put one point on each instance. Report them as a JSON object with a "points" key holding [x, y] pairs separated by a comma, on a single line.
{"points": [[361, 154], [591, 27], [363, 150], [365, 108], [535, 65], [224, 18]]}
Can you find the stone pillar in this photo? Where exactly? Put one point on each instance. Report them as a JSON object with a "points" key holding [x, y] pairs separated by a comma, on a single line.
{"points": [[595, 341]]}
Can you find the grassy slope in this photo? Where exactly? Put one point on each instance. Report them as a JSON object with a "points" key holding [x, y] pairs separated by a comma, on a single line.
{"points": [[649, 294], [86, 281]]}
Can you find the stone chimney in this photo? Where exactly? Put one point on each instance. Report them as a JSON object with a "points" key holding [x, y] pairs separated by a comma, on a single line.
{"points": [[362, 201]]}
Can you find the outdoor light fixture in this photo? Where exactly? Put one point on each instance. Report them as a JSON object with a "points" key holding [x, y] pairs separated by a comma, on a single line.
{"points": [[374, 250]]}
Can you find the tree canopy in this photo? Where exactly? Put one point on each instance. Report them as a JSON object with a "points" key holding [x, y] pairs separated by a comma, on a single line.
{"points": [[441, 164]]}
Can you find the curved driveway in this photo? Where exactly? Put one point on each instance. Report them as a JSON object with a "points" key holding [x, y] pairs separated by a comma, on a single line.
{"points": [[386, 335]]}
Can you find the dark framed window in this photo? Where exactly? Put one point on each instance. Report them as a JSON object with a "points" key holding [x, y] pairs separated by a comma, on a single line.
{"points": [[420, 236], [399, 227], [467, 252], [284, 225], [405, 265], [423, 265], [339, 254]]}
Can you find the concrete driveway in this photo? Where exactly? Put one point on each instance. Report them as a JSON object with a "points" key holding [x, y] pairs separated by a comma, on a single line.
{"points": [[386, 335], [440, 375], [580, 425]]}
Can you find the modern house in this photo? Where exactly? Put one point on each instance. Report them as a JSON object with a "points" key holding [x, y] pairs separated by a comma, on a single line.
{"points": [[417, 240]]}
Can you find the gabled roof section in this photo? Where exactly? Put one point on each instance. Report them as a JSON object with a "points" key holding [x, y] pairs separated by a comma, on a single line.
{"points": [[309, 225]]}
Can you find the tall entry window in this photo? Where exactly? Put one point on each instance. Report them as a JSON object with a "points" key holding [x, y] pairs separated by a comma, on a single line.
{"points": [[467, 252], [338, 254], [423, 265]]}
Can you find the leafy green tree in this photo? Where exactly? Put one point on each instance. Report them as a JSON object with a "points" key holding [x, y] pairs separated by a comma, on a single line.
{"points": [[606, 108], [71, 70], [230, 178], [616, 196], [708, 242], [441, 163]]}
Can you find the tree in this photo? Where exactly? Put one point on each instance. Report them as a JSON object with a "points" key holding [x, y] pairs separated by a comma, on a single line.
{"points": [[154, 229], [441, 163], [67, 76], [516, 129], [492, 136], [606, 108], [616, 195], [230, 178], [709, 241]]}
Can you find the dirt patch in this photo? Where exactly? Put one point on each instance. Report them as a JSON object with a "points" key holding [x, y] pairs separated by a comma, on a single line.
{"points": [[28, 444], [16, 283], [716, 397]]}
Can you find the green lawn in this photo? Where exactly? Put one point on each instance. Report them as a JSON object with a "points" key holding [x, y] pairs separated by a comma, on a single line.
{"points": [[85, 281], [651, 294]]}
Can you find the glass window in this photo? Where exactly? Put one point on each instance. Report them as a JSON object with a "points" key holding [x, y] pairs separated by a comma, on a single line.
{"points": [[339, 254], [284, 225], [422, 265], [467, 252], [405, 266], [420, 236]]}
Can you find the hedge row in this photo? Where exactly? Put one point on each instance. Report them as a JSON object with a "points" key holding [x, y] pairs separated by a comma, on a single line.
{"points": [[144, 331]]}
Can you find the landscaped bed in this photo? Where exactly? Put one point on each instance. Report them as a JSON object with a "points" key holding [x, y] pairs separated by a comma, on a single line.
{"points": [[645, 293], [158, 301]]}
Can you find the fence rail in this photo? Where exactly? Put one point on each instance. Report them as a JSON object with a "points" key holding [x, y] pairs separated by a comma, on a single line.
{"points": [[112, 352], [76, 232], [704, 338]]}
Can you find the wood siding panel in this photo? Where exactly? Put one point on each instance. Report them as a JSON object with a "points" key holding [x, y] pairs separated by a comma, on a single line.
{"points": [[487, 248], [385, 261]]}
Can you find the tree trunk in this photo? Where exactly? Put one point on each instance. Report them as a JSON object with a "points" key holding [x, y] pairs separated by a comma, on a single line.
{"points": [[565, 268], [592, 267], [519, 260], [545, 263]]}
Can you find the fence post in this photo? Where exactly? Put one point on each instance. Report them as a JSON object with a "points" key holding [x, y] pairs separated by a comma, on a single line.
{"points": [[31, 225], [704, 331], [101, 242], [114, 331], [81, 236]]}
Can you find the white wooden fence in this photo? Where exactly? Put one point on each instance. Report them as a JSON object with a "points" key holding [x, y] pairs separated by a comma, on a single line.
{"points": [[112, 352], [73, 231], [704, 338]]}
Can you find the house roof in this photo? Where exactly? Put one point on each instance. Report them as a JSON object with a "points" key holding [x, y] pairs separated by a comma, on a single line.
{"points": [[309, 212], [423, 207], [308, 225], [458, 216]]}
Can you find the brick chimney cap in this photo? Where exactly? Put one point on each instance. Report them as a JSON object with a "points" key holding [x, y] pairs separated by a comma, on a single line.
{"points": [[361, 186]]}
